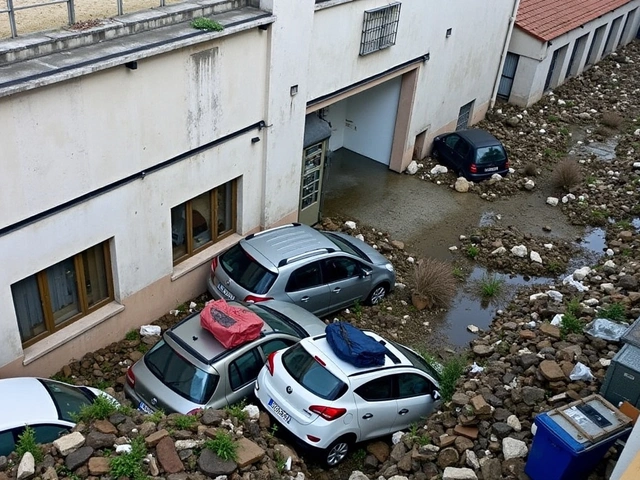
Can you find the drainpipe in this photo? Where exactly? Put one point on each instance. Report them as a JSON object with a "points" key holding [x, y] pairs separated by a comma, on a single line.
{"points": [[505, 47]]}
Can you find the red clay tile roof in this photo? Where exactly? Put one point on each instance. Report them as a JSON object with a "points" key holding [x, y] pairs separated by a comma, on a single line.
{"points": [[548, 19]]}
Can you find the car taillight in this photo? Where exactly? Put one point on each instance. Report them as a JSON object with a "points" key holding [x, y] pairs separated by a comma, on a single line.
{"points": [[506, 164], [195, 411], [328, 413], [271, 362], [313, 438], [131, 377], [473, 168], [214, 264], [254, 299]]}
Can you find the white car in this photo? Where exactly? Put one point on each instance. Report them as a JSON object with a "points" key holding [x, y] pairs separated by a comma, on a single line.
{"points": [[45, 405], [329, 404]]}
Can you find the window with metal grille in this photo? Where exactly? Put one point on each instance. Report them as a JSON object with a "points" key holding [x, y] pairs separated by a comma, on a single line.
{"points": [[379, 28]]}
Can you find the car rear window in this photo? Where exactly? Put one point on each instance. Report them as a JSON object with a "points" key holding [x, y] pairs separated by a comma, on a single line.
{"points": [[312, 375], [277, 321], [245, 271], [68, 400], [493, 154], [180, 375]]}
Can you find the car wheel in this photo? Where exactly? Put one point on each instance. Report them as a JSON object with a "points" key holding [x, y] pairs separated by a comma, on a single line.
{"points": [[336, 452], [377, 294]]}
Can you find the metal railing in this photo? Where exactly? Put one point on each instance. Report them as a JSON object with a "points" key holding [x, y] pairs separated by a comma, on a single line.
{"points": [[11, 11]]}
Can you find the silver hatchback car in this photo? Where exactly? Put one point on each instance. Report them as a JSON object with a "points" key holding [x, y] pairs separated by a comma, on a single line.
{"points": [[188, 369], [320, 271]]}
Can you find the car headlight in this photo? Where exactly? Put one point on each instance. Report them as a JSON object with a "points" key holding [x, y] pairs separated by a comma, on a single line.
{"points": [[389, 267]]}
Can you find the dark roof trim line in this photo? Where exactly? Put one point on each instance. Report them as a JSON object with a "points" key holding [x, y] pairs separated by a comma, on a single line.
{"points": [[136, 176]]}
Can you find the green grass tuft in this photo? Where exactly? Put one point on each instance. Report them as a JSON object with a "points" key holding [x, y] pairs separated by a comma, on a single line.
{"points": [[223, 445], [206, 24]]}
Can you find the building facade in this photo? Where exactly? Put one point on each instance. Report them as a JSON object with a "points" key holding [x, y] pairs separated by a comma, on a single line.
{"points": [[555, 40], [135, 151]]}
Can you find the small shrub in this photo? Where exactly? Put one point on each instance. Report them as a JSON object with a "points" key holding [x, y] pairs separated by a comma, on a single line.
{"points": [[130, 464], [185, 422], [472, 251], [554, 268], [570, 324], [597, 217], [616, 312], [100, 409], [223, 445], [458, 273], [552, 119], [143, 348], [359, 456], [564, 131], [624, 225], [206, 24], [103, 384], [434, 282], [281, 462], [418, 436], [452, 370], [27, 443], [236, 410], [567, 174], [573, 307], [612, 119], [490, 286], [132, 335], [591, 180], [530, 170], [156, 416], [357, 309]]}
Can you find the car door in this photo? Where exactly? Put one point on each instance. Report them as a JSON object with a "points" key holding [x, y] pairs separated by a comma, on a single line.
{"points": [[415, 399], [461, 155], [306, 289], [376, 407], [448, 145], [346, 283], [242, 373]]}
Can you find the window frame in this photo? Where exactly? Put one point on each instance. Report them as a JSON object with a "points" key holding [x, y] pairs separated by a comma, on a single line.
{"points": [[215, 235], [379, 28], [80, 280]]}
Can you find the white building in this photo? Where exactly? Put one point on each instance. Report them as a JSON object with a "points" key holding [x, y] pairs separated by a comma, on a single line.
{"points": [[558, 39], [135, 151]]}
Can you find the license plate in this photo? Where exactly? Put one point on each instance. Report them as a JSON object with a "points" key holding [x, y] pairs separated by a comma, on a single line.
{"points": [[491, 169], [226, 292], [278, 411], [144, 408]]}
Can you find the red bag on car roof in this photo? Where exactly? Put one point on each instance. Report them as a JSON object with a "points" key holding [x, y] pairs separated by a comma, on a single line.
{"points": [[232, 326]]}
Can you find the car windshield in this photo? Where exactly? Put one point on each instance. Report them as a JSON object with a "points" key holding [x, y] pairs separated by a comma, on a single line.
{"points": [[181, 376], [245, 271], [277, 321], [419, 362], [311, 374], [493, 154], [67, 399], [345, 246]]}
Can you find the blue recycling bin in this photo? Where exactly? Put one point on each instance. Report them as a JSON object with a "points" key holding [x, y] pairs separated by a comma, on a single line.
{"points": [[570, 441]]}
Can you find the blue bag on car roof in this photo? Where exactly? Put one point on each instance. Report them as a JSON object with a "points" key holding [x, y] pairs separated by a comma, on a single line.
{"points": [[354, 346]]}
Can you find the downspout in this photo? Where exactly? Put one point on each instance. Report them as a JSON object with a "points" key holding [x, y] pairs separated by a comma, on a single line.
{"points": [[503, 56]]}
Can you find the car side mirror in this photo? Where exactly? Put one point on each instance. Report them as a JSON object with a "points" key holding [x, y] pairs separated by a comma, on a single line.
{"points": [[436, 395], [364, 273]]}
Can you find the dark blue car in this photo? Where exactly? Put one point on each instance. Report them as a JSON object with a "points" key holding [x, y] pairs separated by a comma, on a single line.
{"points": [[474, 154]]}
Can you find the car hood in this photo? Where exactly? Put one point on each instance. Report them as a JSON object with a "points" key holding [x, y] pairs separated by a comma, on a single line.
{"points": [[375, 256]]}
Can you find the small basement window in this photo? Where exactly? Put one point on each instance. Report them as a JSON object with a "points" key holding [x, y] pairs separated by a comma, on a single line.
{"points": [[379, 28]]}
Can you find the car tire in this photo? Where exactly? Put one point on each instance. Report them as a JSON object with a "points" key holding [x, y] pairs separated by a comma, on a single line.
{"points": [[336, 452], [377, 294]]}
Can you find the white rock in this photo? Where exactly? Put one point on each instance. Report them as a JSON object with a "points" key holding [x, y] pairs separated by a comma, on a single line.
{"points": [[561, 102], [411, 260], [69, 443], [412, 168], [519, 251], [360, 237], [473, 328], [193, 305], [400, 285], [637, 132], [555, 295], [607, 287], [535, 257], [605, 362], [453, 473], [472, 460], [542, 131], [581, 273], [610, 264], [514, 423], [453, 248], [438, 169], [512, 448], [124, 448], [529, 184], [252, 411], [553, 201], [536, 296], [499, 251], [462, 237], [557, 319], [548, 246], [358, 475], [591, 302], [609, 252], [27, 466], [187, 444], [461, 185], [349, 224], [396, 437], [496, 177]]}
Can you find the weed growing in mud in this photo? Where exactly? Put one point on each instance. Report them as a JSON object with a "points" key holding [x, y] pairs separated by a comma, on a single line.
{"points": [[452, 370], [206, 24], [616, 312], [564, 131], [359, 456], [598, 217], [623, 225], [130, 464], [472, 251], [132, 335], [236, 410], [573, 307], [570, 324], [554, 267], [434, 282], [591, 180], [357, 309], [552, 119], [459, 273], [567, 175], [612, 119], [156, 416], [490, 286], [418, 436], [27, 442], [185, 422], [223, 445], [100, 409]]}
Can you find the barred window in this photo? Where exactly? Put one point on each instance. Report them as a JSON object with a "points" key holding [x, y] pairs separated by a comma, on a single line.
{"points": [[379, 28]]}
